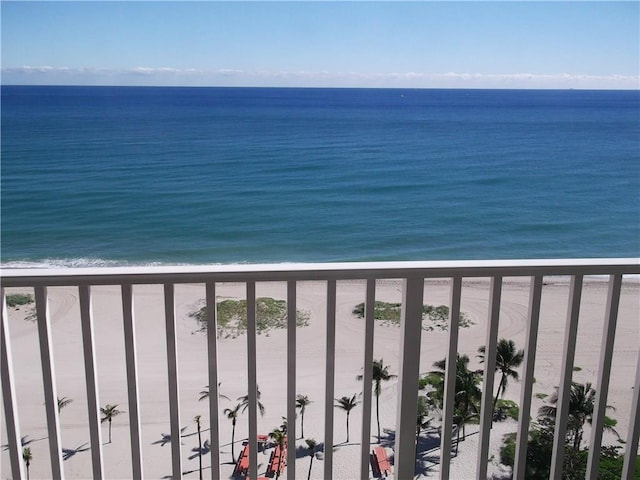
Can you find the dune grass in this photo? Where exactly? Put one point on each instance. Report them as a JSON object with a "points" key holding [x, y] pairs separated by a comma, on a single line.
{"points": [[232, 316], [433, 317]]}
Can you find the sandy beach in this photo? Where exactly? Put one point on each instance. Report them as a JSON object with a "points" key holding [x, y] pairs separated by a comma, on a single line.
{"points": [[65, 319]]}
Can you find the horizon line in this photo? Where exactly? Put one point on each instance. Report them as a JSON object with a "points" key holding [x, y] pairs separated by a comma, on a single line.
{"points": [[311, 87]]}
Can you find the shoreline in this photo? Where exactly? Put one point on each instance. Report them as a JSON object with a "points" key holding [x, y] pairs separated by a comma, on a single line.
{"points": [[272, 366]]}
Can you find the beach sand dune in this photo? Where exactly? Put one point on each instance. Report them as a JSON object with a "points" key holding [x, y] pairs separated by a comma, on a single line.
{"points": [[272, 365]]}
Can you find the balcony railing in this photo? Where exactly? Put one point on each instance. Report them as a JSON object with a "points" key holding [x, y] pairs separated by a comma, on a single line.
{"points": [[413, 276]]}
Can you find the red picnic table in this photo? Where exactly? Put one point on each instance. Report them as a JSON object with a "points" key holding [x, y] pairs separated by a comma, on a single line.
{"points": [[380, 462]]}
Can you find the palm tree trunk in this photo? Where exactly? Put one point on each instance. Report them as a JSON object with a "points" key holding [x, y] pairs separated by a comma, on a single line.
{"points": [[109, 430], [233, 435], [279, 461], [302, 425], [500, 387], [28, 470], [347, 427], [310, 465], [577, 440], [378, 414], [200, 451]]}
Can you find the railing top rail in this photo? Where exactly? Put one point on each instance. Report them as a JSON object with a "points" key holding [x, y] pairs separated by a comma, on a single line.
{"points": [[314, 271]]}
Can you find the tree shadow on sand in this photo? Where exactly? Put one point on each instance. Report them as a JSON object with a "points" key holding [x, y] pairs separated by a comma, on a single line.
{"points": [[166, 438], [24, 441], [206, 448], [303, 451], [192, 433], [187, 472], [427, 449], [67, 453]]}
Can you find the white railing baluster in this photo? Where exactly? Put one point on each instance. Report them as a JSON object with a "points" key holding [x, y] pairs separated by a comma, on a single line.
{"points": [[128, 319], [526, 391], [212, 354], [9, 395], [564, 389], [252, 379], [631, 445], [604, 373], [329, 380], [49, 381], [291, 377], [367, 377], [486, 409], [446, 427], [409, 372], [90, 372], [172, 371]]}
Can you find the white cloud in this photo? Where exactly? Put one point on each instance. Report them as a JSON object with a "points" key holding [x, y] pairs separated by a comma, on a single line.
{"points": [[233, 77]]}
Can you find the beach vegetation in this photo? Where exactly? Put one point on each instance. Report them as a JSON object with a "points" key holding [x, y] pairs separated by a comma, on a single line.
{"points": [[232, 414], [244, 401], [311, 451], [422, 416], [540, 449], [197, 420], [541, 437], [27, 456], [63, 402], [232, 316], [508, 358], [205, 393], [279, 436], [18, 299], [433, 317], [467, 391], [380, 374], [284, 425], [302, 401], [347, 404], [506, 409], [108, 413], [581, 405]]}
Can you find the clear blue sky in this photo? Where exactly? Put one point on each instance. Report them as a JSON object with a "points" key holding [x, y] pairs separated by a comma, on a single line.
{"points": [[364, 44]]}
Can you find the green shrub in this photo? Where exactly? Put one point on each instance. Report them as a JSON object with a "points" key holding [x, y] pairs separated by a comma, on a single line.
{"points": [[506, 409], [18, 299]]}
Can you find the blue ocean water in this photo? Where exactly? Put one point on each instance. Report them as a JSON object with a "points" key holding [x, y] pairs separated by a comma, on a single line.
{"points": [[133, 175]]}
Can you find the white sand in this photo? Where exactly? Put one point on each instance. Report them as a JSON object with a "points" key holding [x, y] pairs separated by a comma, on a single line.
{"points": [[272, 369]]}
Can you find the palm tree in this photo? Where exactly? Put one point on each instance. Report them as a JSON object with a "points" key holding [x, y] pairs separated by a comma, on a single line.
{"points": [[507, 359], [244, 401], [279, 435], [232, 414], [205, 393], [63, 402], [347, 404], [27, 457], [467, 396], [421, 417], [581, 404], [108, 412], [380, 374], [284, 425], [197, 420], [311, 445], [301, 402]]}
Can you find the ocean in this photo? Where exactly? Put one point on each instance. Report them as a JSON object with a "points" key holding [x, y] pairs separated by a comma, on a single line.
{"points": [[161, 175]]}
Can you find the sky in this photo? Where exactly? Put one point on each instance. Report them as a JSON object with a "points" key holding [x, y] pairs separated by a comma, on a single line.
{"points": [[416, 44]]}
